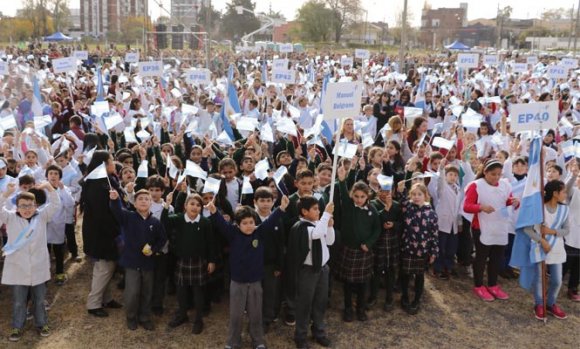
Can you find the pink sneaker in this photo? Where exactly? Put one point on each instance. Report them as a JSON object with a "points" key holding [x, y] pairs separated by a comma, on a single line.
{"points": [[483, 294], [498, 293], [539, 312], [574, 296], [556, 312]]}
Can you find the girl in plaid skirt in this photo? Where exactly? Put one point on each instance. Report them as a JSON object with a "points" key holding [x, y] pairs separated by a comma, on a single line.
{"points": [[194, 246], [361, 227], [418, 244]]}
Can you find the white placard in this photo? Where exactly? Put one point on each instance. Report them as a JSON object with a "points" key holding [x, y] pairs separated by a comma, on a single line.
{"points": [[520, 67], [532, 60], [570, 63], [534, 116], [468, 60], [362, 53], [154, 68], [286, 48], [62, 65], [346, 61], [3, 68], [132, 57], [342, 100], [557, 72], [199, 77], [490, 59], [279, 63], [283, 76], [81, 55]]}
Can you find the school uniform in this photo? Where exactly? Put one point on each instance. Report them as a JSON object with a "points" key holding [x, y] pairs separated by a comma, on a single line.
{"points": [[55, 229], [273, 262], [447, 209], [160, 263], [572, 240]]}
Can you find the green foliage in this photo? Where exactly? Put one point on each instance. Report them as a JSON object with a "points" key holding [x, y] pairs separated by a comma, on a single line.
{"points": [[315, 21], [235, 25]]}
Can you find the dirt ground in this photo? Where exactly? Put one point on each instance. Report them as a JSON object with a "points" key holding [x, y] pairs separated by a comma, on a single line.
{"points": [[450, 317]]}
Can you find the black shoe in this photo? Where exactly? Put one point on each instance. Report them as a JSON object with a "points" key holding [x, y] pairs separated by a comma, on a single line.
{"points": [[444, 275], [413, 308], [371, 302], [361, 315], [266, 327], [323, 341], [113, 305], [197, 327], [389, 305], [302, 344], [347, 316], [132, 324], [147, 325], [99, 312], [404, 304], [290, 320], [157, 311], [178, 321]]}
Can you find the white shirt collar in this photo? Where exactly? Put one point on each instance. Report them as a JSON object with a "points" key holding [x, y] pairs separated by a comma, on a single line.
{"points": [[188, 220]]}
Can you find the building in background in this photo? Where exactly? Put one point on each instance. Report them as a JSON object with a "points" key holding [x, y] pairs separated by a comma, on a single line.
{"points": [[98, 17], [441, 26]]}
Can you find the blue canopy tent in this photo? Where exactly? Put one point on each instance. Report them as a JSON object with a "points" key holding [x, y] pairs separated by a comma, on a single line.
{"points": [[58, 36], [456, 45]]}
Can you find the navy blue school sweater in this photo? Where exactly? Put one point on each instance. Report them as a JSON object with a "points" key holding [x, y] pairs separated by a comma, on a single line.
{"points": [[247, 251], [138, 231]]}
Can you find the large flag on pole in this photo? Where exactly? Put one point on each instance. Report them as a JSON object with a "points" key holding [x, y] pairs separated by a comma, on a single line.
{"points": [[36, 98], [100, 89], [531, 214]]}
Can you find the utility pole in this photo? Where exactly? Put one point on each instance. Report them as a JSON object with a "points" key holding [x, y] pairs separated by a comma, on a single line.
{"points": [[572, 22], [498, 26], [404, 39], [207, 29], [576, 27]]}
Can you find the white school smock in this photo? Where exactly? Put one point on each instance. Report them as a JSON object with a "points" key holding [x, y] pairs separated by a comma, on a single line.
{"points": [[55, 227], [573, 238], [557, 254], [494, 226]]}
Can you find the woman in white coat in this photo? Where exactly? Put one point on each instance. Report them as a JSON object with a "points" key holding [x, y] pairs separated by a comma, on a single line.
{"points": [[27, 264]]}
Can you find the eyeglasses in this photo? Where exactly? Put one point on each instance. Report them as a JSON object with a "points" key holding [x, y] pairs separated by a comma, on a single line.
{"points": [[26, 207]]}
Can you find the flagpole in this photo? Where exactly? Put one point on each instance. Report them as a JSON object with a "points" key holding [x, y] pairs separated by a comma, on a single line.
{"points": [[544, 304], [335, 162]]}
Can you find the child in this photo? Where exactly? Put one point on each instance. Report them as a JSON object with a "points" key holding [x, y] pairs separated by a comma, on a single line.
{"points": [[228, 169], [273, 257], [418, 244], [27, 264], [555, 227], [308, 254], [487, 199], [573, 239], [449, 196], [386, 249], [246, 268], [194, 246], [55, 229], [144, 235], [360, 228]]}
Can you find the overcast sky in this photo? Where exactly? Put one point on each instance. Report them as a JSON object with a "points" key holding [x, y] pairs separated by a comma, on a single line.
{"points": [[378, 10]]}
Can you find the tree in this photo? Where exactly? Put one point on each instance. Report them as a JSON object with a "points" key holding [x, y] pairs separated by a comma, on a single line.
{"points": [[235, 25], [555, 14], [37, 12], [344, 12], [60, 14], [315, 21], [212, 22]]}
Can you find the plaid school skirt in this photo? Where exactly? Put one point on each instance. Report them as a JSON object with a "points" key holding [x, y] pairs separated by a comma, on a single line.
{"points": [[191, 271], [354, 265], [413, 264], [386, 252]]}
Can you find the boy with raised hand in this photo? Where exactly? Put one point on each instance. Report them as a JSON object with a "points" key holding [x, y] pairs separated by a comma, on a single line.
{"points": [[144, 235], [27, 264]]}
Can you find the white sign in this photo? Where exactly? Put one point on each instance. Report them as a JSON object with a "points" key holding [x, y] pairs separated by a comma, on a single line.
{"points": [[154, 68], [557, 72], [346, 61], [62, 65], [532, 60], [342, 99], [283, 76], [520, 67], [199, 77], [3, 68], [534, 116], [490, 59], [467, 60], [132, 57], [81, 55], [286, 48], [570, 63], [361, 53], [279, 64]]}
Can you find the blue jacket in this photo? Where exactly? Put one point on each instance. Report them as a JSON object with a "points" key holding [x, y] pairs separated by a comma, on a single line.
{"points": [[247, 251], [138, 231]]}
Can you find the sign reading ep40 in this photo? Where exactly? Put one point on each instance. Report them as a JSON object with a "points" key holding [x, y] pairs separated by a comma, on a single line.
{"points": [[534, 116]]}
